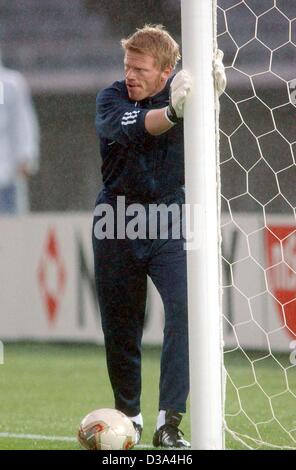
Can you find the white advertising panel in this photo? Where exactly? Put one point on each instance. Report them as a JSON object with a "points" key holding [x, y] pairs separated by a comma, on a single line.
{"points": [[47, 289]]}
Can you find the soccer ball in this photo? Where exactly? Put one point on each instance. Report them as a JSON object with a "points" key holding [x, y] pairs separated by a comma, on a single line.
{"points": [[106, 429]]}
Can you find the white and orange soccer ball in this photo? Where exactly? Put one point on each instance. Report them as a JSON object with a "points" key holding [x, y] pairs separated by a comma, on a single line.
{"points": [[106, 429]]}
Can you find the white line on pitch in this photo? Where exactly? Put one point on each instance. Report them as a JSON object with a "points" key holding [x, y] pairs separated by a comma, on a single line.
{"points": [[38, 437]]}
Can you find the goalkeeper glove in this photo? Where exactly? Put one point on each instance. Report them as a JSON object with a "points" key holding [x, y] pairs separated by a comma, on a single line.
{"points": [[219, 72], [180, 87]]}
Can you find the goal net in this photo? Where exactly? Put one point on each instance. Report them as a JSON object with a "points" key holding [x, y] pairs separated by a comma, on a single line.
{"points": [[258, 200]]}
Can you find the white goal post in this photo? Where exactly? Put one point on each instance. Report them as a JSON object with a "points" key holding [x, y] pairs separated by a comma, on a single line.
{"points": [[254, 266], [205, 345]]}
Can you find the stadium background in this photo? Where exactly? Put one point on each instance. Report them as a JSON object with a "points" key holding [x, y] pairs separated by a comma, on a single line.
{"points": [[68, 55]]}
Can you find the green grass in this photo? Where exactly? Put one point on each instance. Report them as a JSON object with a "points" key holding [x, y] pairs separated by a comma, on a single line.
{"points": [[261, 399], [47, 390]]}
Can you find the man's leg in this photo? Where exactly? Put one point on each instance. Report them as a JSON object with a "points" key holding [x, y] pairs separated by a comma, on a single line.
{"points": [[168, 271], [8, 200], [22, 196], [121, 284]]}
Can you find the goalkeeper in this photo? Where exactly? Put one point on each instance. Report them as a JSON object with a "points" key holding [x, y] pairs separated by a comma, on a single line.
{"points": [[139, 124]]}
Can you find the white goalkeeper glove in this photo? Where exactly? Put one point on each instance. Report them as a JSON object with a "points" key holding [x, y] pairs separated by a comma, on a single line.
{"points": [[180, 88], [219, 72]]}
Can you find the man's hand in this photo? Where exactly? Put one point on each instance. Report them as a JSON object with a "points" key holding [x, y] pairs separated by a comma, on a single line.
{"points": [[24, 170], [180, 88], [219, 72]]}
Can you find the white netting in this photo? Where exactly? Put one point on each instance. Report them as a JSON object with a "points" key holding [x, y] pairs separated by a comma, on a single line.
{"points": [[258, 198]]}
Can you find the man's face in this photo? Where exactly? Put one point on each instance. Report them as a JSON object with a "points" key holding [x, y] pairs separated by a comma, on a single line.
{"points": [[143, 76]]}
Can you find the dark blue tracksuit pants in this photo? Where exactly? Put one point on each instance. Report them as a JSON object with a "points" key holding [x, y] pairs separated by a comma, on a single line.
{"points": [[121, 269]]}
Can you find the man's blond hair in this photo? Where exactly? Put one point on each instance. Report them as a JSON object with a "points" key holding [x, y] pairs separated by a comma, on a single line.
{"points": [[155, 41]]}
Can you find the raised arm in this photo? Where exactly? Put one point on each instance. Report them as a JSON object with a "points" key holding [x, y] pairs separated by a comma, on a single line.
{"points": [[158, 121]]}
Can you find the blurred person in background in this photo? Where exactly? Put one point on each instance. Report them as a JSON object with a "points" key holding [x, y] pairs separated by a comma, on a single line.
{"points": [[19, 142]]}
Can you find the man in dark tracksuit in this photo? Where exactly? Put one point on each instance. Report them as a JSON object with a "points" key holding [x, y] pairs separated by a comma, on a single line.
{"points": [[141, 139]]}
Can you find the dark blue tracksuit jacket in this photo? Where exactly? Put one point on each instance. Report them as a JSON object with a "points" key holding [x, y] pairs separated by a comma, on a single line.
{"points": [[136, 164], [145, 169]]}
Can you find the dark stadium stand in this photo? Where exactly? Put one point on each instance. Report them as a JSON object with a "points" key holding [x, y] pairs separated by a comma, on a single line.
{"points": [[69, 50], [50, 40]]}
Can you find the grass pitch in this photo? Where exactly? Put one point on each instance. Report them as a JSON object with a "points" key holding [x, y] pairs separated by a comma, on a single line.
{"points": [[47, 389]]}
